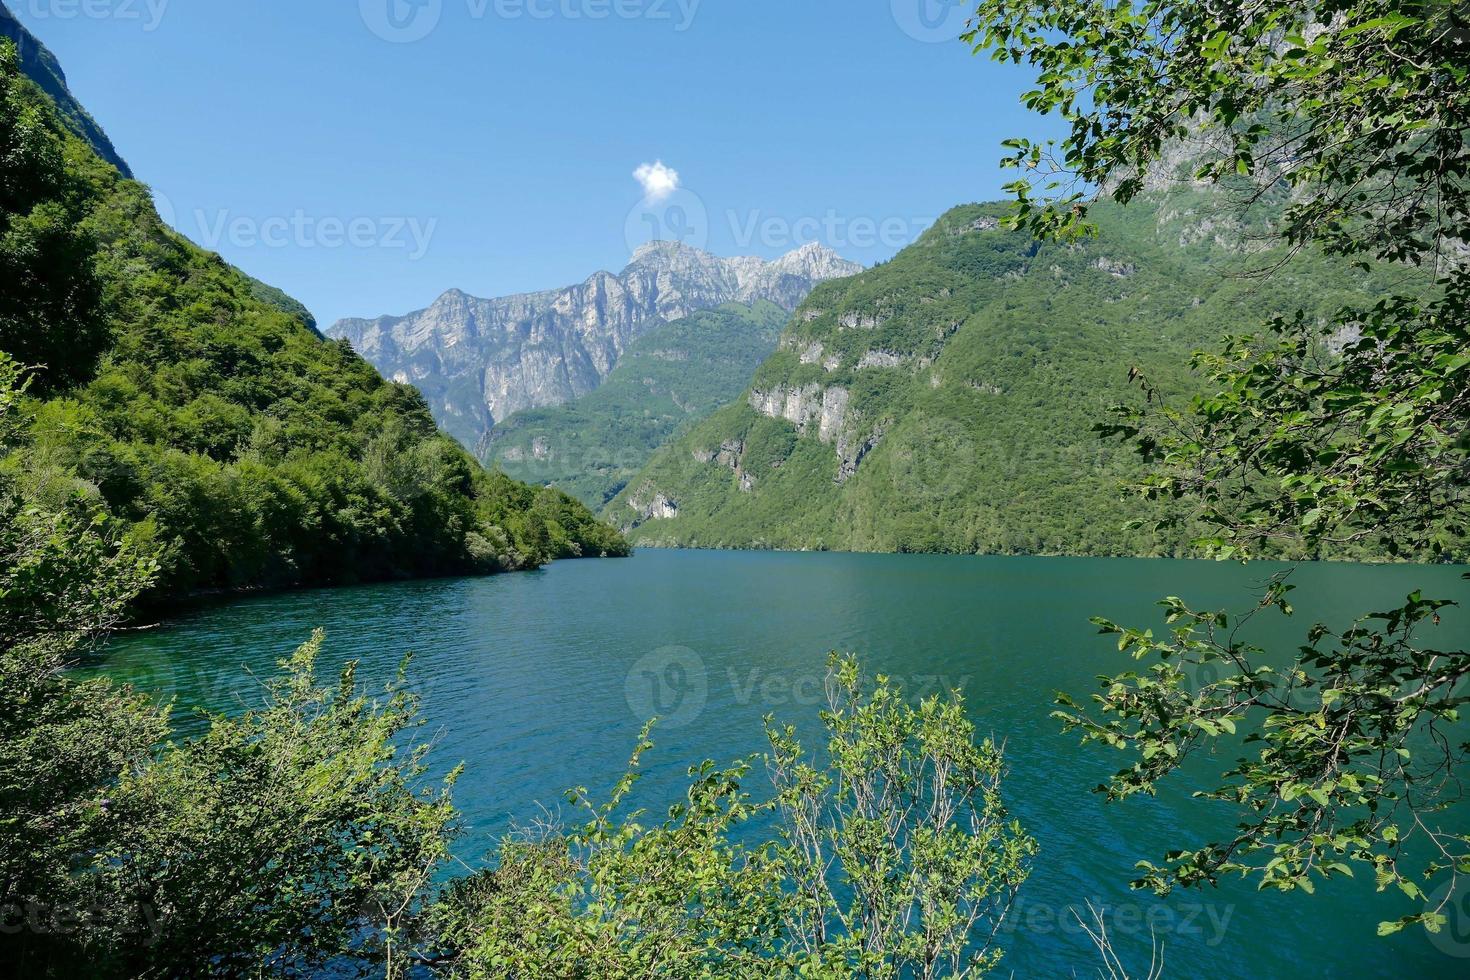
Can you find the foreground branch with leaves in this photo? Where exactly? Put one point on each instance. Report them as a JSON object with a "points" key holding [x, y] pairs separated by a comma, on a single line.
{"points": [[896, 858], [1351, 120], [300, 832]]}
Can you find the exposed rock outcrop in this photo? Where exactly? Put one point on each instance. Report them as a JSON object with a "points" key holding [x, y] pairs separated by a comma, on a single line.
{"points": [[827, 410], [881, 359], [1119, 270], [657, 506]]}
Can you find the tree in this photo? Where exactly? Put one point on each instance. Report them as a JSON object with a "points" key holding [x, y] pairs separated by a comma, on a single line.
{"points": [[1344, 123], [895, 859], [301, 832], [51, 311], [196, 401], [66, 577]]}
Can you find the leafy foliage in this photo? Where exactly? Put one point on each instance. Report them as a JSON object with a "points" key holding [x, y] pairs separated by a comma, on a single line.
{"points": [[41, 66], [255, 453], [295, 834], [901, 858], [1318, 432], [299, 832], [51, 307], [304, 834], [896, 859]]}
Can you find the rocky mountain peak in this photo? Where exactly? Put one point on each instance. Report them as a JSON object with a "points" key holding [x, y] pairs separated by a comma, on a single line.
{"points": [[817, 260], [478, 361], [660, 252]]}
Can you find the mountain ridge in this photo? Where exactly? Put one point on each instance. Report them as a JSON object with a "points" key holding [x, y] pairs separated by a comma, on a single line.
{"points": [[480, 360], [199, 409], [43, 68]]}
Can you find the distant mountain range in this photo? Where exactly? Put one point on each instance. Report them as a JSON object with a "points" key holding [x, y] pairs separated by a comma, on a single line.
{"points": [[479, 361], [673, 376]]}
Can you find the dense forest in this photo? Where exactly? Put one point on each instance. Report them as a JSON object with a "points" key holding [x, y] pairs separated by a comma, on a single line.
{"points": [[947, 399], [202, 408]]}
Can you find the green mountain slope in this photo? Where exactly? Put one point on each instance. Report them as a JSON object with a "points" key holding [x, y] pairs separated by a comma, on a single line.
{"points": [[945, 401], [678, 373], [170, 390], [41, 66]]}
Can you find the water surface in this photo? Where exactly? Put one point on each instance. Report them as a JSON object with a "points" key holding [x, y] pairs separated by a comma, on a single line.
{"points": [[540, 682]]}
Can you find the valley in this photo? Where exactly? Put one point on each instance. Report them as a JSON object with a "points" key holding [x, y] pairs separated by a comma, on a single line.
{"points": [[672, 377]]}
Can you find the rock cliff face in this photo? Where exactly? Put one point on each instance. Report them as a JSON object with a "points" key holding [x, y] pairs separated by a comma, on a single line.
{"points": [[478, 361]]}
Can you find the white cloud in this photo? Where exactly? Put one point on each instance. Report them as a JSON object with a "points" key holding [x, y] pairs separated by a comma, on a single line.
{"points": [[659, 181]]}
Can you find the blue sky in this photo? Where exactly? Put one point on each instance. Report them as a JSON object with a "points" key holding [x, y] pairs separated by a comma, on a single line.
{"points": [[366, 155]]}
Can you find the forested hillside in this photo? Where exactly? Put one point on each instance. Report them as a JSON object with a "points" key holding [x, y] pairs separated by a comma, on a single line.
{"points": [[946, 401], [203, 408], [672, 377], [41, 66]]}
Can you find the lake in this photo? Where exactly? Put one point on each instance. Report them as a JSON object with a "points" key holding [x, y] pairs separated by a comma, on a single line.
{"points": [[540, 682]]}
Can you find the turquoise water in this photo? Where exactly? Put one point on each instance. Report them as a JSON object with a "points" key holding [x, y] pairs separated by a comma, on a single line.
{"points": [[540, 682]]}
